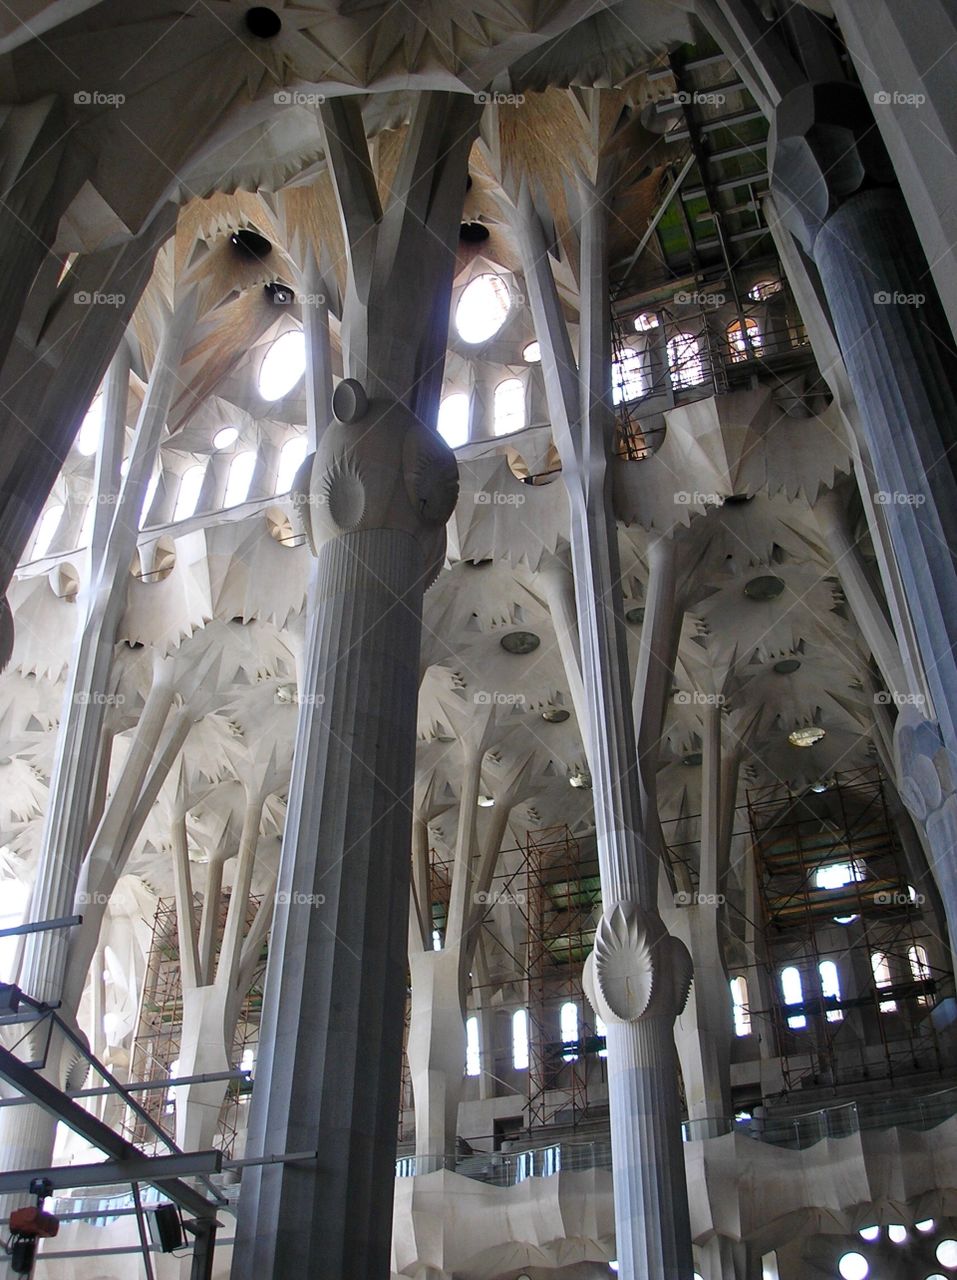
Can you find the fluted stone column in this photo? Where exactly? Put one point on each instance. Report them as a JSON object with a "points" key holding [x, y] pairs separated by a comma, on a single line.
{"points": [[835, 189], [382, 488]]}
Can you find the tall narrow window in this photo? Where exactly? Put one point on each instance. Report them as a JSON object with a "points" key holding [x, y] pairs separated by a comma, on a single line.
{"points": [[601, 1030], [793, 991], [520, 1040], [881, 968], [685, 363], [920, 969], [88, 437], [744, 342], [569, 1026], [472, 1046], [46, 531], [240, 478], [627, 376], [508, 407], [740, 1006], [291, 457], [190, 485], [831, 988], [282, 365], [148, 497], [453, 421]]}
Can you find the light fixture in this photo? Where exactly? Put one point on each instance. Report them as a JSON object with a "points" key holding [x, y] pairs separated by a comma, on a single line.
{"points": [[485, 802], [947, 1253], [896, 1233], [927, 1225], [787, 666], [225, 436], [853, 1266], [806, 736], [580, 779], [279, 294], [473, 232], [818, 787], [767, 587], [692, 759], [250, 244], [263, 23], [869, 1233], [555, 715], [520, 642], [532, 354], [636, 615]]}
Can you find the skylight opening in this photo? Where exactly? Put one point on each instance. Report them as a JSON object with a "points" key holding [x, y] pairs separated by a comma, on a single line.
{"points": [[509, 407], [240, 478], [453, 423], [91, 428], [837, 874], [482, 308], [283, 365], [225, 437], [291, 457]]}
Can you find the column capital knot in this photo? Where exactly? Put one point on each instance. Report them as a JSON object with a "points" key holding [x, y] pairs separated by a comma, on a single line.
{"points": [[637, 969], [824, 147], [377, 467]]}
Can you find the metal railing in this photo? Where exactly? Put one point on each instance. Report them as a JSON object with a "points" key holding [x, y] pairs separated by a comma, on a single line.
{"points": [[508, 1168]]}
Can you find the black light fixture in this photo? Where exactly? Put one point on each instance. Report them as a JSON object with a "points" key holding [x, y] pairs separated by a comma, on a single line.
{"points": [[262, 22], [636, 615], [250, 245], [520, 642], [279, 294], [787, 666], [473, 232], [766, 587]]}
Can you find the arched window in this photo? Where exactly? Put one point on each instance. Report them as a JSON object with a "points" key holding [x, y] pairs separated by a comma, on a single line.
{"points": [[793, 992], [881, 968], [740, 1006], [744, 343], [685, 363], [483, 308], [646, 322], [190, 487], [761, 290], [472, 1066], [240, 478], [46, 530], [520, 1040], [291, 457], [920, 969], [509, 407], [453, 420], [628, 376], [88, 436], [831, 988], [569, 1027], [532, 353], [283, 365]]}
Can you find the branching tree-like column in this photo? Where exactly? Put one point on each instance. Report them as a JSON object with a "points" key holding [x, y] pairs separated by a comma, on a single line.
{"points": [[376, 497], [638, 975]]}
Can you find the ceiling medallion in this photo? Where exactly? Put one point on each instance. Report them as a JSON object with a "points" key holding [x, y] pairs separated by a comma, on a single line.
{"points": [[767, 587], [806, 737], [787, 666], [520, 642], [636, 615], [555, 715], [692, 759]]}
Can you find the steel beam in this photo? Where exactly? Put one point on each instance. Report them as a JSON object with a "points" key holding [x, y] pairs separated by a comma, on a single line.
{"points": [[138, 1168]]}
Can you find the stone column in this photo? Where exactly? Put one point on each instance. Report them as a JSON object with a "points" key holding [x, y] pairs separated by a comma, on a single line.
{"points": [[834, 188], [638, 976], [382, 488]]}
